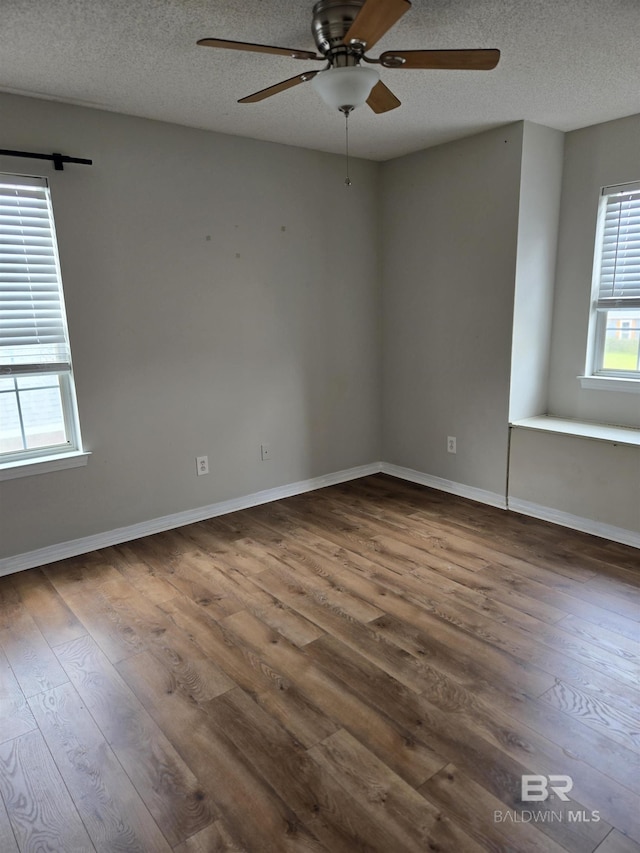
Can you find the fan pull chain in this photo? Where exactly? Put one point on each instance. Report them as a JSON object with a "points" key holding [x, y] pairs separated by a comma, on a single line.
{"points": [[347, 180]]}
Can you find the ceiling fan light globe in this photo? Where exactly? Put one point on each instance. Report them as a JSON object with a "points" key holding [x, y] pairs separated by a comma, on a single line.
{"points": [[345, 88]]}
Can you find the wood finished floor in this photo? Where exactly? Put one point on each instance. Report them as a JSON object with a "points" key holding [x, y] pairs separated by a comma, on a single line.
{"points": [[370, 667]]}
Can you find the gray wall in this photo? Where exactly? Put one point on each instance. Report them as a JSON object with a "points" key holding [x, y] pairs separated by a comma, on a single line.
{"points": [[317, 317], [595, 157], [580, 477], [450, 223], [591, 480], [470, 243], [540, 183], [184, 345]]}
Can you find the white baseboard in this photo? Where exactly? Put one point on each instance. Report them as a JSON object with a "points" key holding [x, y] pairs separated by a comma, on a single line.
{"points": [[464, 491], [75, 547], [576, 522]]}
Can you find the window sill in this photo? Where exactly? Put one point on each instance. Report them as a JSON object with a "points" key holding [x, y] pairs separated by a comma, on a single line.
{"points": [[582, 429], [609, 383], [42, 465]]}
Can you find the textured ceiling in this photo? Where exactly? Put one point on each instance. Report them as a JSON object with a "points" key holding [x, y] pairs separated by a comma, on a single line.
{"points": [[565, 63]]}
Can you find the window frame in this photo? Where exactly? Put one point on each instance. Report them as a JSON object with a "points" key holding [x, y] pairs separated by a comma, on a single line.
{"points": [[597, 376], [68, 453]]}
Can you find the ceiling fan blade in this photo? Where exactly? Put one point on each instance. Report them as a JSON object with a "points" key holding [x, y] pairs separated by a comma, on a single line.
{"points": [[374, 19], [259, 48], [382, 99], [279, 87], [463, 60]]}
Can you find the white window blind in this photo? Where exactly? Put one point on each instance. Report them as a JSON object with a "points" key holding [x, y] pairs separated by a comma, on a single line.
{"points": [[614, 331], [620, 248], [33, 334], [38, 412]]}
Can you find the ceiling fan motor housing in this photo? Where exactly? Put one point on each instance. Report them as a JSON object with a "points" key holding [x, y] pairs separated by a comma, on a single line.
{"points": [[332, 20]]}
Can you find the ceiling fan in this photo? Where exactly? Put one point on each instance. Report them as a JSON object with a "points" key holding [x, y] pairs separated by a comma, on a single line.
{"points": [[343, 31]]}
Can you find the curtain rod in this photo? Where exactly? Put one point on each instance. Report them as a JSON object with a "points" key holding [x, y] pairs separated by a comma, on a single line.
{"points": [[58, 159]]}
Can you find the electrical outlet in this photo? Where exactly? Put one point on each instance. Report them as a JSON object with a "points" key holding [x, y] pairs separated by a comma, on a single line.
{"points": [[265, 452], [451, 444], [202, 465]]}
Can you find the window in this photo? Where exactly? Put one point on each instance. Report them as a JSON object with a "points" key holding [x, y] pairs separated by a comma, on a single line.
{"points": [[615, 327], [38, 416]]}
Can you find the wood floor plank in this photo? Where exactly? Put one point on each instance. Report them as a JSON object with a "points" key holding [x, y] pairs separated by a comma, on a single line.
{"points": [[618, 590], [47, 608], [32, 661], [502, 549], [214, 838], [414, 674], [434, 639], [487, 630], [389, 801], [197, 567], [222, 573], [253, 812], [615, 644], [8, 843], [191, 584], [495, 686], [496, 633], [496, 750], [110, 807], [444, 576], [42, 814], [211, 534], [335, 817], [115, 637], [616, 842], [487, 673], [15, 715], [593, 712], [195, 673], [234, 531], [438, 542], [380, 531], [588, 609], [625, 603], [165, 547], [580, 649], [455, 573], [167, 786], [475, 809], [372, 666], [277, 693], [314, 584], [11, 605], [539, 603], [188, 572], [366, 638], [413, 760], [534, 624], [127, 559], [86, 572], [493, 535], [572, 555]]}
